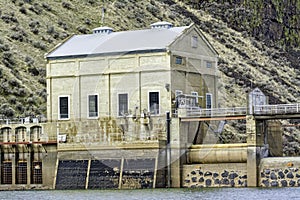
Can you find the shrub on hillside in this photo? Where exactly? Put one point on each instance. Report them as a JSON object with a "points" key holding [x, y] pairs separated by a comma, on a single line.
{"points": [[8, 60], [34, 71], [34, 24], [83, 29], [66, 5], [20, 107], [36, 8], [7, 111], [23, 10], [40, 45], [14, 83], [9, 17], [46, 6], [153, 9], [4, 47], [12, 100], [19, 34], [21, 92], [29, 61]]}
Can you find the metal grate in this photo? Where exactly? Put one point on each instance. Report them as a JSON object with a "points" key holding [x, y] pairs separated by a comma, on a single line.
{"points": [[104, 174], [22, 172], [37, 175], [6, 173], [71, 174], [138, 173]]}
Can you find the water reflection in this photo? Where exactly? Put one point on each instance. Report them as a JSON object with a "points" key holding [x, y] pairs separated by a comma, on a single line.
{"points": [[162, 194]]}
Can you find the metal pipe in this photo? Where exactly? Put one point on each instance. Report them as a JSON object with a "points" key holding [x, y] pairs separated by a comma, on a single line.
{"points": [[168, 121]]}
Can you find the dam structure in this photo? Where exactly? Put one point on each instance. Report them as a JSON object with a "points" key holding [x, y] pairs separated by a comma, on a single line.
{"points": [[139, 109], [140, 157]]}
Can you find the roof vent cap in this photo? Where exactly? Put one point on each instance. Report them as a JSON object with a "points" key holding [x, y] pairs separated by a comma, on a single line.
{"points": [[103, 30], [162, 24]]}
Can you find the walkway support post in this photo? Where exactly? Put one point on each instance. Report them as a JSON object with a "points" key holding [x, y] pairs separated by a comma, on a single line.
{"points": [[168, 127], [252, 160]]}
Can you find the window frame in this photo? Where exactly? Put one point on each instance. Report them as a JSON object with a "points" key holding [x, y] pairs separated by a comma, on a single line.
{"points": [[178, 58], [211, 100], [97, 106], [59, 107], [118, 104], [194, 41], [149, 106], [208, 64]]}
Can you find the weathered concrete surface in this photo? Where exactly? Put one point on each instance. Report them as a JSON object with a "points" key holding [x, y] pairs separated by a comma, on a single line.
{"points": [[218, 153]]}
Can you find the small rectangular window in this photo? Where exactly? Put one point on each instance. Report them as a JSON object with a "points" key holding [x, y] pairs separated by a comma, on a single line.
{"points": [[93, 105], [178, 60], [123, 104], [208, 100], [64, 110], [194, 41], [154, 102], [208, 64]]}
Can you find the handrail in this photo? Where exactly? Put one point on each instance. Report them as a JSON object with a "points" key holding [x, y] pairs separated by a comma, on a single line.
{"points": [[277, 109], [257, 110], [216, 111]]}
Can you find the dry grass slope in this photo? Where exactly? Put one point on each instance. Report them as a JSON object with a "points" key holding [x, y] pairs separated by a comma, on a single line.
{"points": [[30, 28]]}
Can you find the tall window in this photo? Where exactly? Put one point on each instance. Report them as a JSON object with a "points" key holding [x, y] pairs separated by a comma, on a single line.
{"points": [[194, 41], [208, 100], [154, 102], [123, 104], [64, 110], [93, 105]]}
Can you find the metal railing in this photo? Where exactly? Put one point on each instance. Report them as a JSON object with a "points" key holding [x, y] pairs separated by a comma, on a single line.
{"points": [[237, 111], [22, 120], [277, 109], [216, 112]]}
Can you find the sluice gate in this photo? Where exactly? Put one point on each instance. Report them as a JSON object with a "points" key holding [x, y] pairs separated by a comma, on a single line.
{"points": [[106, 174], [24, 150]]}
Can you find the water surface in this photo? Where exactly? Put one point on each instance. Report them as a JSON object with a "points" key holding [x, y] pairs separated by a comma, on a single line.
{"points": [[157, 194]]}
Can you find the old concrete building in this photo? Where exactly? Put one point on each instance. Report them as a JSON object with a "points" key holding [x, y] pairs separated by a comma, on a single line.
{"points": [[116, 74], [114, 88]]}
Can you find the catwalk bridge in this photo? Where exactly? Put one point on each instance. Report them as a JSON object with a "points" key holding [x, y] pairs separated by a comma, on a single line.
{"points": [[278, 111]]}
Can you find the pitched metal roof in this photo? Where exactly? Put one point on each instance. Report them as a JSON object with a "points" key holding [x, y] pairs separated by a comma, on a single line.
{"points": [[117, 42]]}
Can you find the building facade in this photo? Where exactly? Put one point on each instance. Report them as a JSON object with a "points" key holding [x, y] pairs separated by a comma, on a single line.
{"points": [[130, 73], [108, 94]]}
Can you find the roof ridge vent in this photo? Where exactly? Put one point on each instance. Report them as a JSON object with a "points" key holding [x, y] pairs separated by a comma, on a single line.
{"points": [[103, 30], [162, 24]]}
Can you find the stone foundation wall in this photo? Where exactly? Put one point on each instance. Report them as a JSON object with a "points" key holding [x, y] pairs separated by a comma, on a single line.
{"points": [[280, 172], [215, 175]]}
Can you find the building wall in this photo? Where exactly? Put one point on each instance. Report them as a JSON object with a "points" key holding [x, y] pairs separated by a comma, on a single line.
{"points": [[194, 73], [108, 76]]}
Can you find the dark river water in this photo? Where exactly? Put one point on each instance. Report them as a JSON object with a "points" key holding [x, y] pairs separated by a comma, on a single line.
{"points": [[186, 194]]}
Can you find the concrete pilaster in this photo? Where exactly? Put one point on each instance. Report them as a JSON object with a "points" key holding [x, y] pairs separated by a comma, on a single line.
{"points": [[251, 152], [28, 158]]}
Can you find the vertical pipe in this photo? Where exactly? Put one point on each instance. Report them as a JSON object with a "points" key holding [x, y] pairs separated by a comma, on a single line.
{"points": [[88, 174], [121, 173], [168, 120]]}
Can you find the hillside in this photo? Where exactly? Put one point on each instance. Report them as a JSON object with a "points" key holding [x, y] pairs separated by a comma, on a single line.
{"points": [[257, 42]]}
